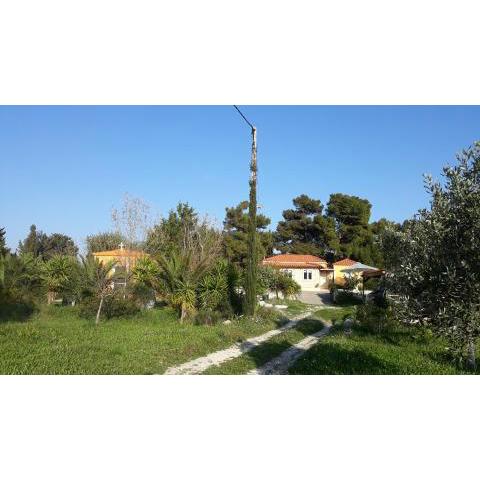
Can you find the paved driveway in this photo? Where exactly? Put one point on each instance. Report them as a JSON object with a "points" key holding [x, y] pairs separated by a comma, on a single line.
{"points": [[321, 297]]}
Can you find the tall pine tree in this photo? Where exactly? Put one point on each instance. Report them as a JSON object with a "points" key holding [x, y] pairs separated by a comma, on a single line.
{"points": [[235, 235], [305, 230]]}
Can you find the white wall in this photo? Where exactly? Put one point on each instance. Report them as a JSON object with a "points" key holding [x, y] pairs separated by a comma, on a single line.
{"points": [[319, 279]]}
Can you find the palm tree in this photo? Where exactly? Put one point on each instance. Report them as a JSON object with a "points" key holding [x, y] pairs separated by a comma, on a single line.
{"points": [[22, 273], [58, 275], [178, 279], [146, 272], [213, 289], [97, 277]]}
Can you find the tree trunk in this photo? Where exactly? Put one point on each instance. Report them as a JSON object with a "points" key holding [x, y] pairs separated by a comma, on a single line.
{"points": [[471, 360], [183, 313], [97, 319], [50, 297]]}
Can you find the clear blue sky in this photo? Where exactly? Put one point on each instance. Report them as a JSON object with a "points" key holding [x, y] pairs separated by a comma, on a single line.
{"points": [[63, 168]]}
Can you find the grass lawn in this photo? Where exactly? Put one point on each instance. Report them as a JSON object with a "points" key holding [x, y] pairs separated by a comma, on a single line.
{"points": [[276, 345], [58, 341], [294, 307], [268, 350], [402, 351]]}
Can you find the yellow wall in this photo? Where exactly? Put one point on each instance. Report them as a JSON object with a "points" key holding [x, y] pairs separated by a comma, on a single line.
{"points": [[340, 276], [121, 260]]}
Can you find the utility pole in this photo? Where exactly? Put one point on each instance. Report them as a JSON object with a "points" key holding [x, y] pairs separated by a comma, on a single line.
{"points": [[251, 274]]}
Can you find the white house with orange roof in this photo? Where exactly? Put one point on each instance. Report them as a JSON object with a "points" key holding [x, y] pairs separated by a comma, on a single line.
{"points": [[310, 272]]}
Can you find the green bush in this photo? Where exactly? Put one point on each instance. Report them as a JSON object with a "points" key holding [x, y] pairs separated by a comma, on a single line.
{"points": [[217, 290], [372, 283], [113, 306], [14, 308], [117, 306], [141, 294], [351, 282], [375, 319], [274, 280], [268, 314], [207, 317], [345, 298]]}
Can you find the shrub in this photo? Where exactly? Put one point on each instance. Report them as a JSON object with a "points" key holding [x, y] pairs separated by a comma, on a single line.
{"points": [[207, 317], [213, 290], [289, 287], [351, 282], [113, 306], [272, 279], [268, 314], [372, 283], [141, 294], [374, 319], [345, 298], [117, 306], [14, 308]]}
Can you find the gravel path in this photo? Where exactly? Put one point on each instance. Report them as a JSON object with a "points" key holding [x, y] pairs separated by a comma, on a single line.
{"points": [[280, 365], [201, 364]]}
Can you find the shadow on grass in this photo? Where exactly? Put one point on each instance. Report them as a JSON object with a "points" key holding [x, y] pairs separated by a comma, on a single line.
{"points": [[267, 351], [448, 360], [309, 326], [16, 312], [391, 337], [331, 359]]}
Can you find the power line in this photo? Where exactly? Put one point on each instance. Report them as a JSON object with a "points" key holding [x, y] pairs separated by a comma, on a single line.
{"points": [[244, 117]]}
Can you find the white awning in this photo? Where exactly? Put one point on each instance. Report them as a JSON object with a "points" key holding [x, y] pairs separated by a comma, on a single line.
{"points": [[358, 267]]}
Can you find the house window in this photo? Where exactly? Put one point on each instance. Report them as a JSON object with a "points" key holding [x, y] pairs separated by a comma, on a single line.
{"points": [[307, 274], [288, 273]]}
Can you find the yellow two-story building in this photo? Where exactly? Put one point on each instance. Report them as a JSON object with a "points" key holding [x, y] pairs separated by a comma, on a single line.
{"points": [[124, 258]]}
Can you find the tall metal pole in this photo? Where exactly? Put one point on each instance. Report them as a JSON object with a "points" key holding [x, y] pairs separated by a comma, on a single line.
{"points": [[251, 279]]}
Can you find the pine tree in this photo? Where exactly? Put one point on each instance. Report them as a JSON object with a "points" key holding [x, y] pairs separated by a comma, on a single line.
{"points": [[3, 242], [305, 230], [235, 235]]}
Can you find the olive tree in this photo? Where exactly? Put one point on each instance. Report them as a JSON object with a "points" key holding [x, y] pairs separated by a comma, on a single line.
{"points": [[434, 263]]}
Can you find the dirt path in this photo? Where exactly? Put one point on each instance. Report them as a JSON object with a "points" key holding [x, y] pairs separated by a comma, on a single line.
{"points": [[201, 364], [280, 365]]}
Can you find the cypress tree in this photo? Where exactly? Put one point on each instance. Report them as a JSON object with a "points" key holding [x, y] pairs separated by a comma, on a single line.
{"points": [[251, 274]]}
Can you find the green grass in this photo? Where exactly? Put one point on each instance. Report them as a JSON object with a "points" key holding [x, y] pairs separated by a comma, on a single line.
{"points": [[335, 315], [268, 350], [58, 341], [295, 307], [401, 351]]}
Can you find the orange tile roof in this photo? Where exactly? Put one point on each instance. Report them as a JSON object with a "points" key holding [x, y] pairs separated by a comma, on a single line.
{"points": [[292, 260], [120, 253], [346, 262]]}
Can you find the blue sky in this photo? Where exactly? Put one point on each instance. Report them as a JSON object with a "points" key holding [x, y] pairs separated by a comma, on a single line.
{"points": [[64, 168]]}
